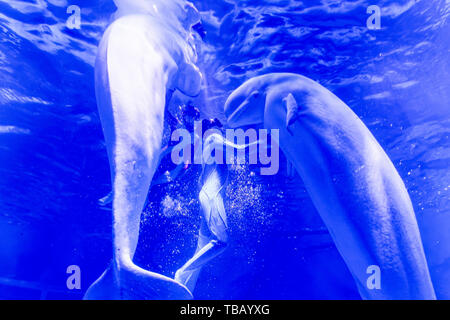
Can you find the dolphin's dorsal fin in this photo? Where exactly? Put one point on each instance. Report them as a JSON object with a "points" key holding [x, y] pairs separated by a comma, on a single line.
{"points": [[292, 111]]}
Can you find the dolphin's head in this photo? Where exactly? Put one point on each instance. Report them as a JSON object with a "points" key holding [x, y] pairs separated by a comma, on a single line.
{"points": [[245, 106], [181, 10]]}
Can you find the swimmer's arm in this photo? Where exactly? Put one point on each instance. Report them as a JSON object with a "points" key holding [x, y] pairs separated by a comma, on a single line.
{"points": [[217, 141]]}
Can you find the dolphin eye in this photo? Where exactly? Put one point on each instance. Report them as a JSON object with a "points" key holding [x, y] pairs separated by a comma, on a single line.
{"points": [[255, 95]]}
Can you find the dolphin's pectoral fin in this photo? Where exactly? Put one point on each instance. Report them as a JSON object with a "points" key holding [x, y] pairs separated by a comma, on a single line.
{"points": [[292, 111]]}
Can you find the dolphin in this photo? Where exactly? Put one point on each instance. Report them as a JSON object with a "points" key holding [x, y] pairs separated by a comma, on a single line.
{"points": [[350, 179], [144, 55]]}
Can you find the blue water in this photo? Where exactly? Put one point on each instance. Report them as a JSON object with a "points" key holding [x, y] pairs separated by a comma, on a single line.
{"points": [[53, 164]]}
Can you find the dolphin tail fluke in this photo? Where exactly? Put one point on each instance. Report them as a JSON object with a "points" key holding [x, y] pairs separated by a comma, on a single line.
{"points": [[103, 288], [134, 283]]}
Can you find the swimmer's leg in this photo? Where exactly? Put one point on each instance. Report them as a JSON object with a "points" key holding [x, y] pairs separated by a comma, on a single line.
{"points": [[212, 241], [213, 237], [106, 199]]}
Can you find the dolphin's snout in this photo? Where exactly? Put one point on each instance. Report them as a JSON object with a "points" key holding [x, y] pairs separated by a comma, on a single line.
{"points": [[231, 104], [243, 110]]}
